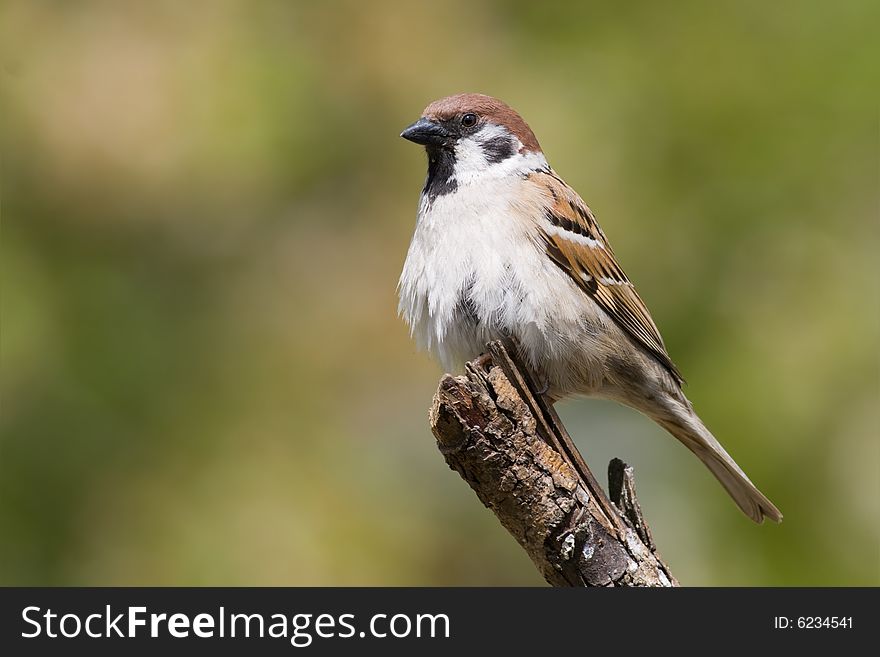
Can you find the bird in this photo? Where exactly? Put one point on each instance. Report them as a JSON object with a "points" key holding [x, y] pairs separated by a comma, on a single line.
{"points": [[504, 249]]}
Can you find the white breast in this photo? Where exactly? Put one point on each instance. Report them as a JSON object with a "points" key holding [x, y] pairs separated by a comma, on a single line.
{"points": [[476, 271]]}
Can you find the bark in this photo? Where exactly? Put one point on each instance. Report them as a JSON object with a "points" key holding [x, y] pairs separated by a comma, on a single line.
{"points": [[508, 444]]}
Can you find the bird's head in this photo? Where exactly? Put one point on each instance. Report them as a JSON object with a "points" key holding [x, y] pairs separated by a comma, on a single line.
{"points": [[472, 134]]}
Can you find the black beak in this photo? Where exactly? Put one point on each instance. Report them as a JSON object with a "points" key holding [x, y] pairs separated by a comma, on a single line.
{"points": [[426, 133]]}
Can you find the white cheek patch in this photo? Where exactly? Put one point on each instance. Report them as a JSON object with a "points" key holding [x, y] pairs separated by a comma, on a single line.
{"points": [[470, 159], [472, 164]]}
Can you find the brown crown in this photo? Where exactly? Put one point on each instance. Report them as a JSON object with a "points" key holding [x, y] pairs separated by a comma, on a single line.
{"points": [[488, 108]]}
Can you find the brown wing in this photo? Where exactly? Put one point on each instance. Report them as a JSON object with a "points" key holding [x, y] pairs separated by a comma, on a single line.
{"points": [[577, 244]]}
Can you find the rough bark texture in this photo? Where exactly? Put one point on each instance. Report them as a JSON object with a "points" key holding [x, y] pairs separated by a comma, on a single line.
{"points": [[510, 447]]}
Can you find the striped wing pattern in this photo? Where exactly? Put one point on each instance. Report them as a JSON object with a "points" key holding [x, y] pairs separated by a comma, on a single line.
{"points": [[576, 243]]}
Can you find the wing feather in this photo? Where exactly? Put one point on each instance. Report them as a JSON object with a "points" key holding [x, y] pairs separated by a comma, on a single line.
{"points": [[576, 243]]}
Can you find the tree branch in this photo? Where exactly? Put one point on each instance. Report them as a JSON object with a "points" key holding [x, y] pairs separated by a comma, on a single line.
{"points": [[508, 444]]}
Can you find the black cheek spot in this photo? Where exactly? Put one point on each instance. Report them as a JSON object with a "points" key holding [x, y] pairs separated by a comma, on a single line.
{"points": [[498, 149]]}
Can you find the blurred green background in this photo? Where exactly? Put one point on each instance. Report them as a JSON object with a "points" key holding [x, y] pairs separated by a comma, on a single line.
{"points": [[205, 208]]}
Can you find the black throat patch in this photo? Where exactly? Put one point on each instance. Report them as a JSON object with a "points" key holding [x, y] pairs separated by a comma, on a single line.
{"points": [[441, 166]]}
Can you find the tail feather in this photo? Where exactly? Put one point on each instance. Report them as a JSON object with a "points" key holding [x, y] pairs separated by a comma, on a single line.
{"points": [[696, 437]]}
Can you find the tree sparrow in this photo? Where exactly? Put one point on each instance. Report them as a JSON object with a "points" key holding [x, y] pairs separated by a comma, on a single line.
{"points": [[504, 249]]}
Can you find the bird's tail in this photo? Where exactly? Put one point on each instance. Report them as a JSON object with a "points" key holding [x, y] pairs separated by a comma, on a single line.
{"points": [[691, 431]]}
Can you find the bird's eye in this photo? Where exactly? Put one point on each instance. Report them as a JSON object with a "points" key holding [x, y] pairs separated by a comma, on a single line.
{"points": [[469, 120]]}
